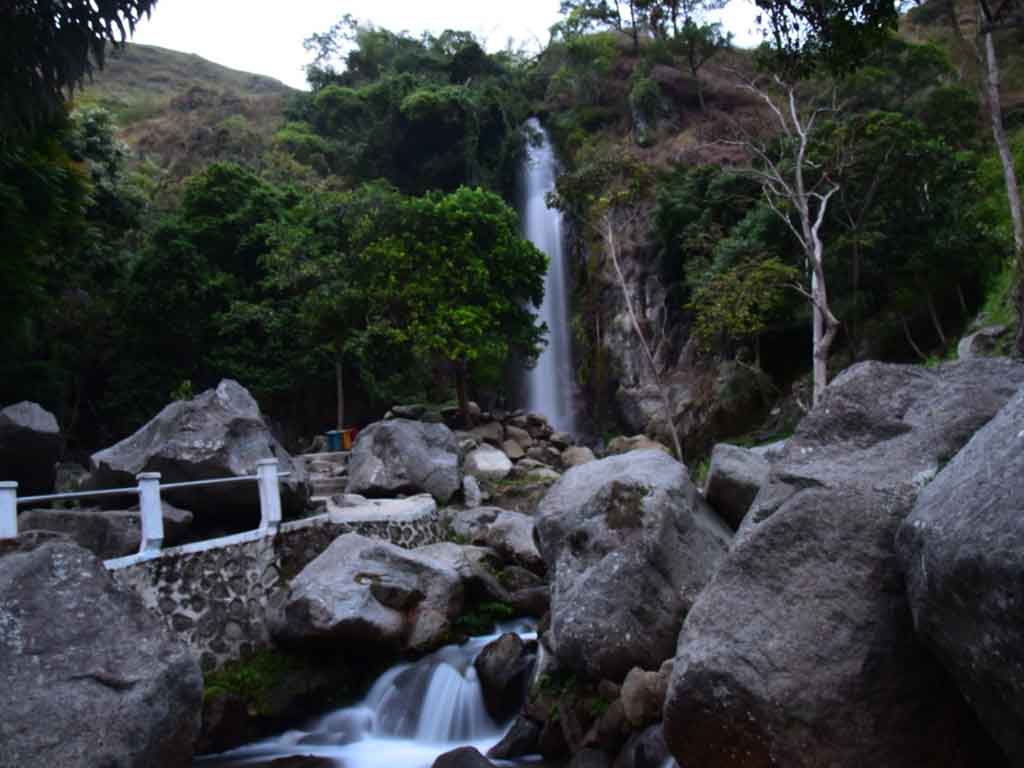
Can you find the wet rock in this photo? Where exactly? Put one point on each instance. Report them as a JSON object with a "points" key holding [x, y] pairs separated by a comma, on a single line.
{"points": [[504, 667], [225, 723], [30, 447], [219, 433], [463, 757], [522, 739], [734, 478], [402, 456], [803, 641], [372, 595], [962, 549], [629, 543], [510, 534], [77, 649]]}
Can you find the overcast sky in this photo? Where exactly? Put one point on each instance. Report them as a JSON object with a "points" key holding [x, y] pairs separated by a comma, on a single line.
{"points": [[265, 36]]}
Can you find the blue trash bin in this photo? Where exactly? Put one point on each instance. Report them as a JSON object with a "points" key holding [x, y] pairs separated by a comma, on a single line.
{"points": [[334, 440]]}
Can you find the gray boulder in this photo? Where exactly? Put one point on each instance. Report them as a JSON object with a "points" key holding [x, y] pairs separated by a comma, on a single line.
{"points": [[510, 534], [488, 463], [629, 543], [801, 652], [30, 447], [734, 478], [402, 456], [90, 676], [504, 667], [218, 433], [370, 594], [106, 533], [962, 549], [521, 739]]}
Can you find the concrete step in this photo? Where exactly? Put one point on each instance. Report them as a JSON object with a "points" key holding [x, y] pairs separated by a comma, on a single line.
{"points": [[333, 456], [328, 486]]}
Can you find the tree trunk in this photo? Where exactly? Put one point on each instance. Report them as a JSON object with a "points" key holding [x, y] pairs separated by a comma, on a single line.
{"points": [[963, 302], [992, 77], [612, 245], [910, 339], [461, 389], [339, 387], [933, 313]]}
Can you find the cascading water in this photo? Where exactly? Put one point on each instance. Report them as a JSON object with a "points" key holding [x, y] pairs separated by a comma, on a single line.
{"points": [[412, 714], [549, 385]]}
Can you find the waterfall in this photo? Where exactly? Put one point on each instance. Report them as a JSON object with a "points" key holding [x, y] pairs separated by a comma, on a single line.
{"points": [[412, 713], [549, 385]]}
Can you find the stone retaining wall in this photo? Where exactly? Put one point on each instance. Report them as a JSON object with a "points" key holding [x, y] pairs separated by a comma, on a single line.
{"points": [[215, 594]]}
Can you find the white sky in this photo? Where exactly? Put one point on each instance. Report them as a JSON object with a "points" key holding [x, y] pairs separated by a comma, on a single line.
{"points": [[265, 36]]}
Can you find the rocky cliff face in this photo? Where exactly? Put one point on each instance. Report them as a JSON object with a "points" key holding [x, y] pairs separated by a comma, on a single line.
{"points": [[709, 399]]}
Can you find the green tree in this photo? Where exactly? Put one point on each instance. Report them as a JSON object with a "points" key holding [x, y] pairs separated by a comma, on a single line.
{"points": [[463, 284]]}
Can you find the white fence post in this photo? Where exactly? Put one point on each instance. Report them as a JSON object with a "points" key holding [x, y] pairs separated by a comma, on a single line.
{"points": [[151, 511], [270, 494], [8, 510]]}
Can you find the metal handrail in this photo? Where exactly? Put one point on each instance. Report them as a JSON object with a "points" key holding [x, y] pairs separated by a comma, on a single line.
{"points": [[150, 508], [135, 489]]}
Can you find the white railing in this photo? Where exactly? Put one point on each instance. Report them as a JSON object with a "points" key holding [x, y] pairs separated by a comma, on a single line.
{"points": [[150, 508]]}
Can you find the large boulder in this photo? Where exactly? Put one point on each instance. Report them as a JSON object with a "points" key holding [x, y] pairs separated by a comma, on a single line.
{"points": [[734, 478], [402, 456], [219, 433], [801, 651], [370, 594], [30, 447], [90, 676], [106, 533], [962, 549], [629, 543]]}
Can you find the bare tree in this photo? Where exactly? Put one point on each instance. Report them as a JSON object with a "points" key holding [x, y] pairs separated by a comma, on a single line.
{"points": [[614, 222], [992, 16], [798, 192]]}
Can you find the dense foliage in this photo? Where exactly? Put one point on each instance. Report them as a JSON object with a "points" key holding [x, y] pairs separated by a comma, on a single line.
{"points": [[366, 253]]}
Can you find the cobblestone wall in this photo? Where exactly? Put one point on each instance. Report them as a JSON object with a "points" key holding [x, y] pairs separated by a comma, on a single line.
{"points": [[215, 595]]}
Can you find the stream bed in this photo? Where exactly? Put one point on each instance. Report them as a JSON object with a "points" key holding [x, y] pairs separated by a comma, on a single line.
{"points": [[413, 713]]}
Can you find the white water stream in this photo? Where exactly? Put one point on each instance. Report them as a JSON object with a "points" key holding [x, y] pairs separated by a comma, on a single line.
{"points": [[412, 714], [549, 385]]}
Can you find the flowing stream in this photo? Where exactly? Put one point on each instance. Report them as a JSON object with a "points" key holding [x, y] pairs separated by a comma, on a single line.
{"points": [[412, 714], [549, 385]]}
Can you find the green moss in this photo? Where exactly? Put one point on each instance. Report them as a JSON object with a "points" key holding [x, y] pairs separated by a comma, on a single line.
{"points": [[480, 619], [252, 677]]}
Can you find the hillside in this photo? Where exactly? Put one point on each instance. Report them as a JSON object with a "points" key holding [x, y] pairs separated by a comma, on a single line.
{"points": [[182, 111]]}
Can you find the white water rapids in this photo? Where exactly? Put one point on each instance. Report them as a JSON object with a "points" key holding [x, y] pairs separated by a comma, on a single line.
{"points": [[412, 714], [550, 384]]}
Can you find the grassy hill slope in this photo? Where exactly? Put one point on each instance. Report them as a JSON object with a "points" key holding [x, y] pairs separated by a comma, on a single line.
{"points": [[182, 111]]}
